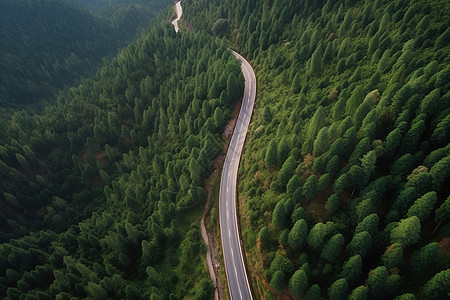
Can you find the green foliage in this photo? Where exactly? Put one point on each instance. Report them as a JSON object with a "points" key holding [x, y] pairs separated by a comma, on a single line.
{"points": [[438, 286], [264, 237], [393, 255], [359, 293], [64, 41], [281, 263], [279, 215], [443, 212], [204, 290], [271, 154], [332, 204], [425, 258], [296, 83], [338, 290], [310, 187], [360, 244], [369, 224], [293, 184], [377, 281], [423, 206], [316, 123], [278, 280], [316, 235], [321, 142], [220, 27], [407, 231], [352, 268], [298, 283], [297, 235], [333, 248], [316, 60]]}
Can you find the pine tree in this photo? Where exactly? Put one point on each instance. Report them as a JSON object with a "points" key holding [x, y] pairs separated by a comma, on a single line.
{"points": [[313, 292], [317, 122], [316, 235], [316, 61], [333, 248], [321, 142], [283, 150], [310, 187], [393, 255], [332, 204], [279, 215], [338, 290], [369, 224], [440, 172], [271, 154], [293, 184], [359, 293], [264, 237], [443, 212], [377, 282], [437, 287], [425, 258], [407, 231], [352, 268], [297, 235], [360, 244], [278, 280], [296, 83], [423, 206], [298, 284]]}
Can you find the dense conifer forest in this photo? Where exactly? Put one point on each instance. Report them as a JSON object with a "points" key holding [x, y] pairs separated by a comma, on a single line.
{"points": [[344, 181], [343, 185], [49, 44]]}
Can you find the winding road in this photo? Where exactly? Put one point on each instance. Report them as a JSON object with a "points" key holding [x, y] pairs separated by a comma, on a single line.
{"points": [[238, 282]]}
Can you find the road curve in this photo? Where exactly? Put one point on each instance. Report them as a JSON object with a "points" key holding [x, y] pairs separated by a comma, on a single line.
{"points": [[238, 282]]}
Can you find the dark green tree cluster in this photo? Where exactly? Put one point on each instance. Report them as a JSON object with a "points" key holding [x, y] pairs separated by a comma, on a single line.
{"points": [[49, 44]]}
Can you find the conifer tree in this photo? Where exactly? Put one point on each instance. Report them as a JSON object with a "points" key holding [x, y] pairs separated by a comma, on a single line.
{"points": [[393, 255], [298, 284], [407, 231], [271, 154], [297, 235], [333, 248], [425, 258], [423, 206], [352, 268], [316, 123], [338, 290]]}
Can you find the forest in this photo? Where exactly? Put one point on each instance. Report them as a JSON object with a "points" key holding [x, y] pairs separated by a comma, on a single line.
{"points": [[47, 45], [343, 185], [100, 191]]}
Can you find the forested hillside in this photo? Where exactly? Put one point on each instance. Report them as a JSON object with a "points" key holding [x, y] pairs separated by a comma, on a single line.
{"points": [[126, 16], [49, 44], [344, 184], [100, 193]]}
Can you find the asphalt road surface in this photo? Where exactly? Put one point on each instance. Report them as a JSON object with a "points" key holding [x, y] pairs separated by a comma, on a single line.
{"points": [[238, 282]]}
